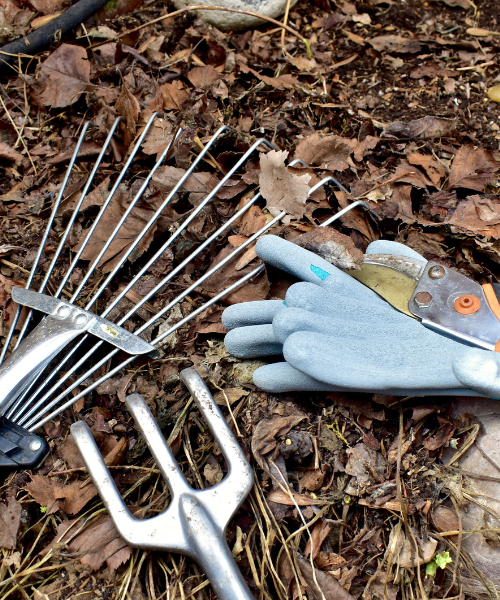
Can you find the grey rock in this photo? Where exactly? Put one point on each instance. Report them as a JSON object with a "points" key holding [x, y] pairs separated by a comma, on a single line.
{"points": [[233, 21]]}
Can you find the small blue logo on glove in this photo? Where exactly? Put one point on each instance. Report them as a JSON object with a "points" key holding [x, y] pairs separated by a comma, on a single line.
{"points": [[320, 272]]}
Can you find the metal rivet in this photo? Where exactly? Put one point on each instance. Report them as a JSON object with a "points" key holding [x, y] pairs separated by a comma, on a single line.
{"points": [[423, 299], [436, 272], [35, 445], [63, 311], [80, 319]]}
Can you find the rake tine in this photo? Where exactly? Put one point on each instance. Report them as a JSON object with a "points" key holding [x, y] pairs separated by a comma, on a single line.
{"points": [[183, 226], [34, 425], [148, 324], [150, 223], [34, 268], [117, 267], [96, 221]]}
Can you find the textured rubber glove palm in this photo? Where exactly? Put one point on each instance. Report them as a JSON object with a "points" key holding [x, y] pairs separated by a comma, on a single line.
{"points": [[337, 334]]}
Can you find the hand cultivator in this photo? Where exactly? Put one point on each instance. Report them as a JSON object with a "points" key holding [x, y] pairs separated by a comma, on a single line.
{"points": [[195, 520], [41, 376]]}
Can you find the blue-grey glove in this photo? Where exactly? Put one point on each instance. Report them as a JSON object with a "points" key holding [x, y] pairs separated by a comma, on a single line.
{"points": [[338, 335]]}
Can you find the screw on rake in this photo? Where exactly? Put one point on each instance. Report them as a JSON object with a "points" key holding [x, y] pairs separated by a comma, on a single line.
{"points": [[195, 520]]}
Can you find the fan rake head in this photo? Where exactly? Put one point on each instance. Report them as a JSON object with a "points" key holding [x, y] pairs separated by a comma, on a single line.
{"points": [[52, 367]]}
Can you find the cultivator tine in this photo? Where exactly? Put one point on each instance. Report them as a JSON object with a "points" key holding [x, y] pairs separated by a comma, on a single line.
{"points": [[195, 521]]}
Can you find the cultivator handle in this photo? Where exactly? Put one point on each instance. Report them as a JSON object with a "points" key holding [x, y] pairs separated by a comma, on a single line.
{"points": [[63, 324]]}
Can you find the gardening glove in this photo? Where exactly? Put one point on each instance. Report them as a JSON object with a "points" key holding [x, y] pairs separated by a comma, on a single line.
{"points": [[337, 334]]}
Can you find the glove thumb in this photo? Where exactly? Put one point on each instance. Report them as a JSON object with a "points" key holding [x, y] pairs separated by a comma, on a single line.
{"points": [[479, 370]]}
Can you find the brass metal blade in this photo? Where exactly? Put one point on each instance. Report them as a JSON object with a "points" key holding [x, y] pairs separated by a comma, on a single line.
{"points": [[394, 278]]}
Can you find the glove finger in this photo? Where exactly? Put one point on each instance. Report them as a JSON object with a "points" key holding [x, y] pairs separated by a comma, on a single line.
{"points": [[251, 313], [330, 303], [372, 363], [253, 341], [279, 378], [480, 370], [387, 247], [301, 263], [342, 326]]}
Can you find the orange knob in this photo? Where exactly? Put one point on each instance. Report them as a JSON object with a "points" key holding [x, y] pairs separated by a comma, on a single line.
{"points": [[467, 304]]}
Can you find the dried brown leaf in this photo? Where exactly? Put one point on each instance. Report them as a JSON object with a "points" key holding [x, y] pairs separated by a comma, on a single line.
{"points": [[255, 289], [128, 107], [335, 247], [266, 432], [43, 490], [97, 544], [202, 77], [173, 95], [64, 76], [10, 521], [291, 498], [127, 234], [9, 153], [329, 151], [281, 83], [323, 586], [426, 128], [472, 168], [281, 189], [318, 536], [477, 215]]}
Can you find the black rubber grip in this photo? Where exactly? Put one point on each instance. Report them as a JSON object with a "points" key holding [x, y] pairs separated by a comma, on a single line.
{"points": [[19, 448]]}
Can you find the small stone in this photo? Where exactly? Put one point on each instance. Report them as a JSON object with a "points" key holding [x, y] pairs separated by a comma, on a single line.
{"points": [[228, 21]]}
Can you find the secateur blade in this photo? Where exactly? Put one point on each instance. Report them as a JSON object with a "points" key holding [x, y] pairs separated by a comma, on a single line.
{"points": [[195, 521]]}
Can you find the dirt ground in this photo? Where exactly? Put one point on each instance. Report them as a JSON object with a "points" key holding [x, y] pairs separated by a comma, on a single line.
{"points": [[356, 495]]}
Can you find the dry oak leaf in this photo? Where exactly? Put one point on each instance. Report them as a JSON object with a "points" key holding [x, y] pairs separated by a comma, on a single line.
{"points": [[472, 168], [427, 128], [390, 42], [281, 189], [280, 83], [266, 432], [202, 77], [255, 289], [127, 234], [10, 520], [335, 247], [8, 153], [128, 107], [329, 151], [97, 544], [43, 489], [477, 215], [63, 76], [173, 95], [323, 586]]}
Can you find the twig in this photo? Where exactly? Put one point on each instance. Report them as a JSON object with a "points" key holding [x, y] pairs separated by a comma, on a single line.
{"points": [[285, 21], [19, 135]]}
